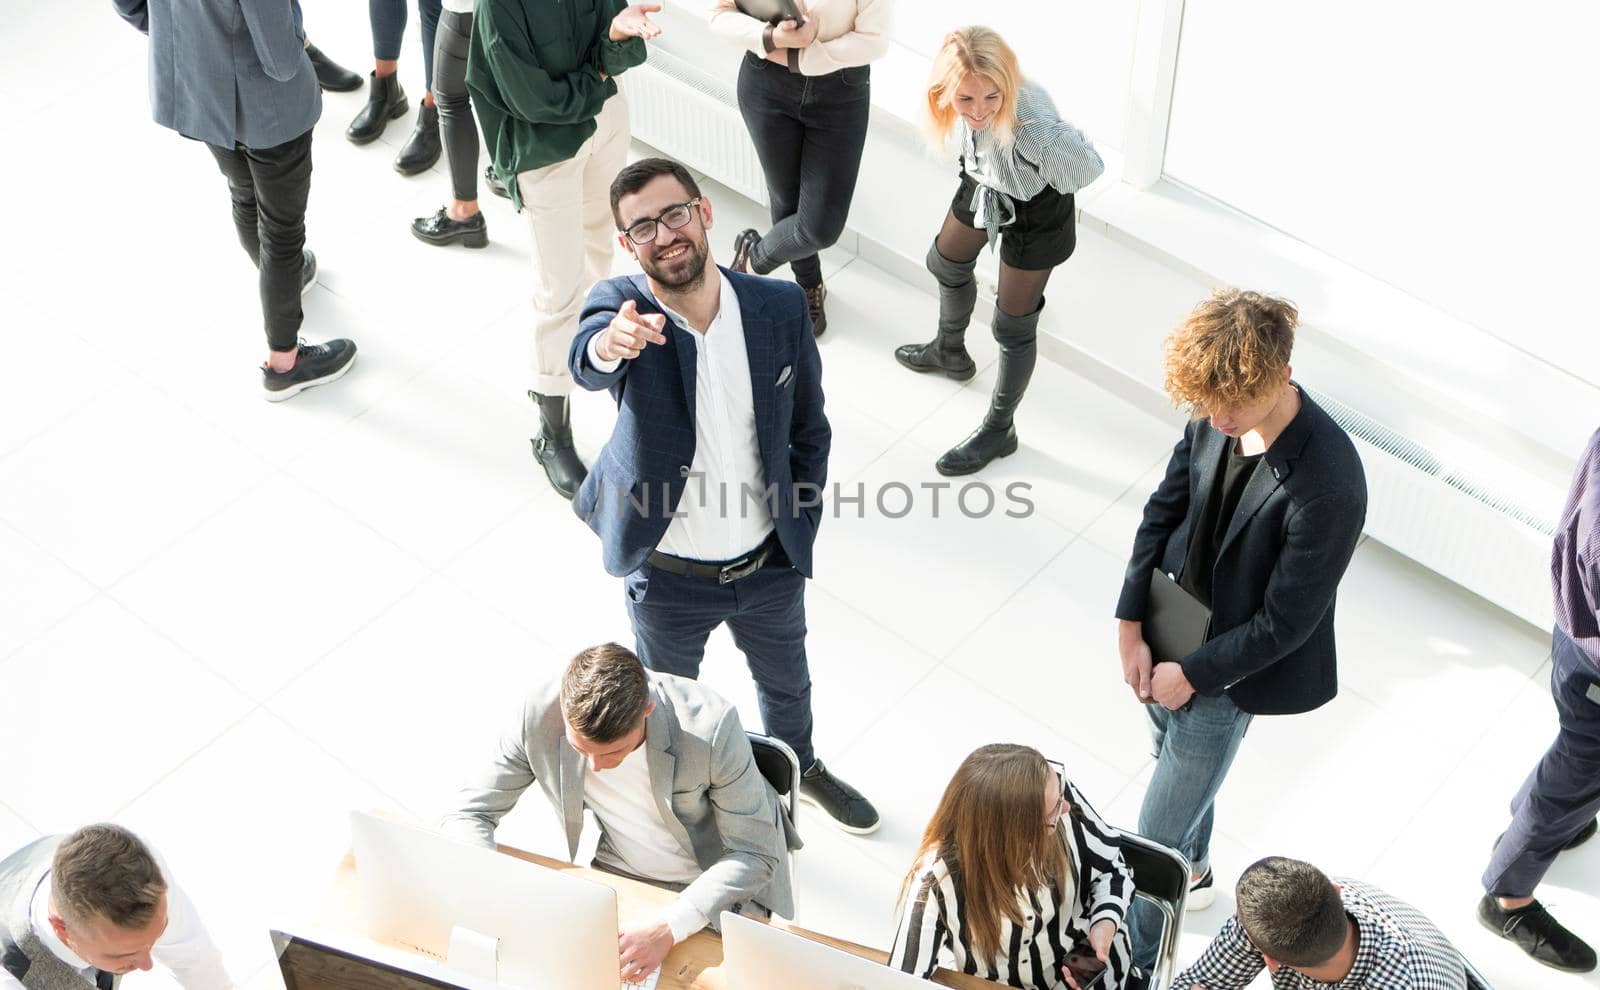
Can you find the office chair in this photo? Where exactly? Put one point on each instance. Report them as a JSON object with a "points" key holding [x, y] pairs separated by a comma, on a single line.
{"points": [[781, 768], [1160, 876]]}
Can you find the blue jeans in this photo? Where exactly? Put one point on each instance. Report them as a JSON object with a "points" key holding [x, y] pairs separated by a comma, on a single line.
{"points": [[388, 19], [766, 612], [1562, 793], [1193, 747]]}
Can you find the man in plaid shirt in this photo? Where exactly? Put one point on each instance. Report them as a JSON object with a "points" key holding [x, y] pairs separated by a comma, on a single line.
{"points": [[1310, 932]]}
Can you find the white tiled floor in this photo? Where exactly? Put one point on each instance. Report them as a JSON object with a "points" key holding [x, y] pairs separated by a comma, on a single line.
{"points": [[225, 623]]}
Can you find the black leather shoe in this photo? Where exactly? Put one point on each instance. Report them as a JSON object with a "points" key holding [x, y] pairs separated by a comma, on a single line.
{"points": [[386, 100], [1584, 835], [815, 297], [315, 365], [492, 180], [838, 800], [308, 270], [553, 447], [975, 452], [332, 76], [743, 243], [957, 363], [440, 229], [424, 145], [1533, 931]]}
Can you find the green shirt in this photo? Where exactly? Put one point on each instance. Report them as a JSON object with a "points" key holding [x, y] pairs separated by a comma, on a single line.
{"points": [[534, 72]]}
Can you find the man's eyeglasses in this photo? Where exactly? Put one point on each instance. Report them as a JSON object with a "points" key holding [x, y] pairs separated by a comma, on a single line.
{"points": [[673, 217]]}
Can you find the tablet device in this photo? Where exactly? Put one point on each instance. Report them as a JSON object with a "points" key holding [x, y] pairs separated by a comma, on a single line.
{"points": [[1176, 623]]}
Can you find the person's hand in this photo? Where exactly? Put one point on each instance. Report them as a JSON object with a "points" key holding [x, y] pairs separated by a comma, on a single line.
{"points": [[1100, 936], [629, 332], [634, 22], [1170, 686], [1136, 661], [788, 34], [642, 948]]}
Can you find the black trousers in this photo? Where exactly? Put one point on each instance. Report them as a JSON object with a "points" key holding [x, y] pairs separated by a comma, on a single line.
{"points": [[809, 132], [269, 187], [460, 131]]}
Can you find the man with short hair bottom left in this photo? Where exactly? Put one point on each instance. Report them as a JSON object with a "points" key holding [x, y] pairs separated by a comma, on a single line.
{"points": [[85, 909], [1310, 932], [668, 772]]}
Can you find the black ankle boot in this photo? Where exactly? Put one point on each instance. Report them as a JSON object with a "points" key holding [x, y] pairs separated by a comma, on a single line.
{"points": [[553, 447], [816, 296], [424, 145], [332, 76], [997, 436], [385, 101], [958, 294]]}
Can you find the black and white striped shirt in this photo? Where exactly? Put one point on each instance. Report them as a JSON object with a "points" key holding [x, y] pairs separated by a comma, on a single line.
{"points": [[1400, 949], [1055, 923], [1044, 151]]}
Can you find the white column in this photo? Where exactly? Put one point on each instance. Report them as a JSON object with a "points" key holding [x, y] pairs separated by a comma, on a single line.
{"points": [[1155, 64]]}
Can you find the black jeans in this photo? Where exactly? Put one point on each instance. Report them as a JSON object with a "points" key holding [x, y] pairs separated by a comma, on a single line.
{"points": [[455, 106], [809, 132], [269, 188], [388, 19]]}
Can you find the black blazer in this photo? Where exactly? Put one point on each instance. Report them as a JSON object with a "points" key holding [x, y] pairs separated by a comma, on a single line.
{"points": [[1270, 647]]}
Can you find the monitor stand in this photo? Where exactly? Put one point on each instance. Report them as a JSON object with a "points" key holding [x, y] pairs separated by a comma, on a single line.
{"points": [[474, 954]]}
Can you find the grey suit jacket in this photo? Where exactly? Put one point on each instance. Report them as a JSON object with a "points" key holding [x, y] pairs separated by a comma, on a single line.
{"points": [[707, 787], [228, 72]]}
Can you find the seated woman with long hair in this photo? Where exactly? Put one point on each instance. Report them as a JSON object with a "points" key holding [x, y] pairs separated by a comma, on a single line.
{"points": [[1017, 879]]}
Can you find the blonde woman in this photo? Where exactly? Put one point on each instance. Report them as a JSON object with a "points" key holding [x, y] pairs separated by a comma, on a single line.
{"points": [[805, 91], [1020, 166], [1016, 880]]}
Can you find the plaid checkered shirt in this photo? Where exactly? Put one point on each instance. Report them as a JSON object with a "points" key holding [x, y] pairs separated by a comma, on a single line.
{"points": [[1400, 950]]}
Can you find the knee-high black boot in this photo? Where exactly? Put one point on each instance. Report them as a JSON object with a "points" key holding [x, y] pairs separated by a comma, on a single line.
{"points": [[553, 447], [997, 436], [958, 294]]}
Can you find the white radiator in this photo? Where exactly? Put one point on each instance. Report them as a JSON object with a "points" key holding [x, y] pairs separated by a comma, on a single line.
{"points": [[694, 118], [1450, 522]]}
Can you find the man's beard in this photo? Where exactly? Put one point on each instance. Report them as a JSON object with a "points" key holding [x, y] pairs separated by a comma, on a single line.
{"points": [[682, 276]]}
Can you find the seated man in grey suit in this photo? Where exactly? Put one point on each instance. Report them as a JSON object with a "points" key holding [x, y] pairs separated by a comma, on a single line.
{"points": [[236, 75], [667, 770], [82, 910]]}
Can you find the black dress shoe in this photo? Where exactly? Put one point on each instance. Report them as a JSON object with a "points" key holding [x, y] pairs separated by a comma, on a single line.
{"points": [[491, 178], [815, 297], [386, 100], [743, 243], [332, 76], [956, 363], [315, 365], [975, 452], [440, 229], [424, 145], [842, 803], [1533, 931]]}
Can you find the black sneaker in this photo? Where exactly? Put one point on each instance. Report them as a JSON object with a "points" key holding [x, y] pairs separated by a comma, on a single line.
{"points": [[841, 802], [308, 270], [743, 243], [492, 180], [1584, 835], [442, 229], [1533, 931], [316, 364]]}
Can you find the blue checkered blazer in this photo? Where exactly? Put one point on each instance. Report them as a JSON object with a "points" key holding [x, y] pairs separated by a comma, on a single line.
{"points": [[228, 72], [652, 446]]}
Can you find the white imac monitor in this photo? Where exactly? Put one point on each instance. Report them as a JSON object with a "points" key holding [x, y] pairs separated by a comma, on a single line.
{"points": [[482, 913], [757, 955]]}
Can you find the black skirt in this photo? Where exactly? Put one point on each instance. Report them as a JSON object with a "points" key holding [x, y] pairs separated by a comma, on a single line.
{"points": [[1042, 236]]}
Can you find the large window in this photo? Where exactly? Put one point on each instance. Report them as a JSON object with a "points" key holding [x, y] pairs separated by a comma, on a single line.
{"points": [[1447, 148]]}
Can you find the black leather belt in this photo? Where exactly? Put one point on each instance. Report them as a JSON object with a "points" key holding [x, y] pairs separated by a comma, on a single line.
{"points": [[722, 572]]}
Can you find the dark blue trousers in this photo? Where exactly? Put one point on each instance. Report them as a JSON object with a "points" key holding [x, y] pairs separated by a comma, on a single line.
{"points": [[1563, 792], [766, 612]]}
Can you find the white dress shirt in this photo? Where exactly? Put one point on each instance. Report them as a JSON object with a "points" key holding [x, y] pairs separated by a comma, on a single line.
{"points": [[185, 947], [637, 840], [715, 520]]}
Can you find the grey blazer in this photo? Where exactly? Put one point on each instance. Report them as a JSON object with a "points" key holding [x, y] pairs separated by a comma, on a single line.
{"points": [[707, 787], [228, 72]]}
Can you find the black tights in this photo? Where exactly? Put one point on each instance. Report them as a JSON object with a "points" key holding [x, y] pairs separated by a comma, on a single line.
{"points": [[1021, 289]]}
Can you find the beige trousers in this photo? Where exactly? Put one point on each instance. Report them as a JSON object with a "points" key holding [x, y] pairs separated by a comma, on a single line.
{"points": [[568, 207]]}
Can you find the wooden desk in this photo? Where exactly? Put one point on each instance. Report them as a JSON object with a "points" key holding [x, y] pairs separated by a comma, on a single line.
{"points": [[693, 964]]}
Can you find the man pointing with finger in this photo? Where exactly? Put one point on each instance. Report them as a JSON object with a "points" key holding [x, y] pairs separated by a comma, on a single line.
{"points": [[708, 495], [542, 78]]}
